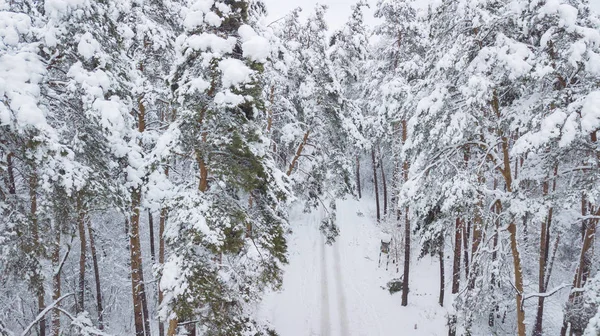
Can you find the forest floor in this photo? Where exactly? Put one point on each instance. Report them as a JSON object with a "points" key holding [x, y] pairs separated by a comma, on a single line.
{"points": [[339, 289]]}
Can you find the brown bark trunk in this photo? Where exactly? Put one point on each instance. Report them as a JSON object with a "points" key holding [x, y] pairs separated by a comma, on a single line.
{"points": [[457, 253], [172, 327], [298, 153], [384, 183], [81, 216], [137, 276], [36, 278], [512, 229], [203, 183], [537, 329], [151, 231], [375, 183], [358, 177], [99, 305], [442, 277], [138, 288], [584, 260], [56, 281]]}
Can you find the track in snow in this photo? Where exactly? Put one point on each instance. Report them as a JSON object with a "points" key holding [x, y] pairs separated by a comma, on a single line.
{"points": [[336, 290]]}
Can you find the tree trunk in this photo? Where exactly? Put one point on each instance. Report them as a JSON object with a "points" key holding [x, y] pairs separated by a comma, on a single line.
{"points": [[358, 176], [298, 153], [375, 183], [36, 278], [81, 217], [457, 253], [406, 259], [99, 305], [56, 281], [442, 278], [406, 229], [172, 327], [512, 229], [384, 183], [12, 189], [465, 238], [151, 231], [585, 258], [161, 255], [543, 260], [138, 287], [140, 308]]}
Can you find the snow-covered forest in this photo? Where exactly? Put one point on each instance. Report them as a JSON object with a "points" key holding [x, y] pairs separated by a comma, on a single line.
{"points": [[188, 167]]}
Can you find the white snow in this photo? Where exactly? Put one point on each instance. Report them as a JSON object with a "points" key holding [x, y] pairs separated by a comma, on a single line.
{"points": [[213, 19], [235, 72], [88, 46], [206, 41], [590, 112], [255, 47], [337, 290]]}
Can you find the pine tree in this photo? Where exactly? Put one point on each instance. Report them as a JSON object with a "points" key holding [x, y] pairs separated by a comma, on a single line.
{"points": [[222, 251]]}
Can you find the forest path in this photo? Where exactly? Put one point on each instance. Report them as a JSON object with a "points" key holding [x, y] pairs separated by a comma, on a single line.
{"points": [[325, 318], [339, 290]]}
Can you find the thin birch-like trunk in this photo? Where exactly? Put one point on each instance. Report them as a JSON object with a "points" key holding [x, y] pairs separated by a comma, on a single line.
{"points": [[99, 303], [56, 280], [81, 215], [375, 183]]}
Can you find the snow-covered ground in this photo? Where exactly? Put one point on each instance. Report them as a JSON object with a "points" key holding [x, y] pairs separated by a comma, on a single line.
{"points": [[338, 289]]}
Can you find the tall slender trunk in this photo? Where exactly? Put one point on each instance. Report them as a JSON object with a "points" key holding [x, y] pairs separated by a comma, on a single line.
{"points": [[497, 209], [81, 217], [512, 227], [12, 189], [406, 259], [358, 176], [514, 247], [585, 258], [406, 229], [56, 281], [588, 229], [298, 153], [140, 308], [384, 184], [151, 231], [375, 183], [161, 255], [466, 238], [138, 287], [442, 278], [36, 278], [99, 305], [457, 253], [542, 266]]}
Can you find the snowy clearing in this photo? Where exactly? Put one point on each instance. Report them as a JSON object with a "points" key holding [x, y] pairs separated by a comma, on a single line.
{"points": [[340, 290]]}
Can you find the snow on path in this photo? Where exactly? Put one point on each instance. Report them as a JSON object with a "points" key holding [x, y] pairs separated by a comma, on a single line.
{"points": [[337, 290], [325, 320]]}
